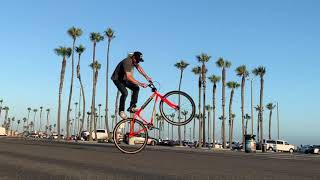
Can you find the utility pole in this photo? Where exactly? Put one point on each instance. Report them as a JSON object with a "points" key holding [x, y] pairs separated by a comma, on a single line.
{"points": [[251, 108], [278, 120]]}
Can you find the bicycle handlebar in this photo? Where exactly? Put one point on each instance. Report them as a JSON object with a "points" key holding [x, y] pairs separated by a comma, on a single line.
{"points": [[152, 86]]}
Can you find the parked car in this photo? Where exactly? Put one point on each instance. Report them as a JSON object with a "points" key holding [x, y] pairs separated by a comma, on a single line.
{"points": [[283, 146], [55, 136], [166, 142], [304, 149], [139, 139], [315, 149]]}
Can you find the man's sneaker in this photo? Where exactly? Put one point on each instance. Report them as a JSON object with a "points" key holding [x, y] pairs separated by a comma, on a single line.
{"points": [[132, 109], [123, 115]]}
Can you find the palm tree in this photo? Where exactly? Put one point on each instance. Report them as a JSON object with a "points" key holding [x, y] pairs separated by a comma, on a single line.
{"points": [[80, 49], [31, 126], [99, 105], [109, 33], [260, 71], [172, 117], [203, 58], [6, 109], [75, 116], [181, 66], [95, 38], [214, 79], [29, 110], [246, 117], [197, 71], [40, 128], [232, 85], [184, 113], [223, 64], [270, 107], [18, 122], [54, 126], [47, 126], [96, 66], [88, 120], [74, 33], [24, 123], [65, 53], [258, 108], [208, 109], [243, 73], [34, 117]]}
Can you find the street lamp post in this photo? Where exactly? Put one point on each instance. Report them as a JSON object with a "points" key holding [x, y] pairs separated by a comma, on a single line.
{"points": [[278, 120]]}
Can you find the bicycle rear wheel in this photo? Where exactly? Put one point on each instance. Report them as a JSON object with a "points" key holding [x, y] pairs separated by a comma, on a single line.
{"points": [[177, 104], [130, 136]]}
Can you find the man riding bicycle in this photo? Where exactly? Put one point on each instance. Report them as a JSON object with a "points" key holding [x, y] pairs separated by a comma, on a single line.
{"points": [[123, 78]]}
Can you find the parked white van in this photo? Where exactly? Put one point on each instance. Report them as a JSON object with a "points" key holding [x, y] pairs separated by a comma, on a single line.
{"points": [[283, 146]]}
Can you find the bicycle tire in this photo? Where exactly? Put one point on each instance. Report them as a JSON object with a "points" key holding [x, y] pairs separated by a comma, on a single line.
{"points": [[115, 137], [165, 116]]}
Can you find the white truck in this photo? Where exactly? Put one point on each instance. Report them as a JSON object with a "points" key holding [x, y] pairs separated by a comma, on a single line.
{"points": [[283, 146], [3, 131]]}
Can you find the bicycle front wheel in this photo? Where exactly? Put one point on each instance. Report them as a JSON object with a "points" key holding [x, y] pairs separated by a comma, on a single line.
{"points": [[177, 108], [130, 136]]}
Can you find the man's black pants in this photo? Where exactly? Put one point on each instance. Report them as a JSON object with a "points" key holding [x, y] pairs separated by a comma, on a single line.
{"points": [[122, 87]]}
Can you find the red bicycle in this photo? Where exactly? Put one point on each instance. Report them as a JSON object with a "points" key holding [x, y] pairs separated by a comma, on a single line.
{"points": [[131, 135]]}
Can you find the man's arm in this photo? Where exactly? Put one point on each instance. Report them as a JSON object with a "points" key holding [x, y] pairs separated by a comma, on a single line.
{"points": [[141, 71], [134, 81]]}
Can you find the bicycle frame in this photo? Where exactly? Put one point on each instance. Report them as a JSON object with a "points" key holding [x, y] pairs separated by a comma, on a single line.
{"points": [[138, 113]]}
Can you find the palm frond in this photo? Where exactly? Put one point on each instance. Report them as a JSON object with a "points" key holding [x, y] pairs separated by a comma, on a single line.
{"points": [[196, 70], [80, 49], [233, 85], [203, 57], [74, 32], [220, 62], [181, 65], [242, 71], [214, 79], [109, 33]]}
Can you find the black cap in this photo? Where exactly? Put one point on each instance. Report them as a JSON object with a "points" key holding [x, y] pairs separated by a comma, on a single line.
{"points": [[138, 56]]}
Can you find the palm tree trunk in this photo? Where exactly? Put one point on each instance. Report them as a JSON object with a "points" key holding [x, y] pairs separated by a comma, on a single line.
{"points": [[93, 112], [107, 91], [230, 119], [261, 111], [179, 129], [94, 99], [63, 69], [214, 114], [184, 130], [204, 105], [28, 120], [47, 127], [200, 116], [270, 116], [83, 95], [242, 107], [258, 127], [223, 108], [71, 89], [40, 129]]}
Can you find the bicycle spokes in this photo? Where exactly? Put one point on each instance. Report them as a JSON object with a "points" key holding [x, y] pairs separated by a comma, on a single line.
{"points": [[129, 136]]}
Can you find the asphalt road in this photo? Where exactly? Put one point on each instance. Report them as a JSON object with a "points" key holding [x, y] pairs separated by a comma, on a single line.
{"points": [[28, 159]]}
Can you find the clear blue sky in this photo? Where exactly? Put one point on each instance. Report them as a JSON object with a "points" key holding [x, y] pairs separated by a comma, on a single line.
{"points": [[281, 35]]}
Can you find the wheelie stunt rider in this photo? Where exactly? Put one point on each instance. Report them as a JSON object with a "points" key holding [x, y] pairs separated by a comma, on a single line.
{"points": [[123, 78]]}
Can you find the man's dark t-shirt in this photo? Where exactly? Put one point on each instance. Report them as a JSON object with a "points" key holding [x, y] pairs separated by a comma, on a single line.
{"points": [[121, 69]]}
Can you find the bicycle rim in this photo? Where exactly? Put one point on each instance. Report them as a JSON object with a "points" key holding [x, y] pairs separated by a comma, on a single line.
{"points": [[186, 110], [129, 136]]}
